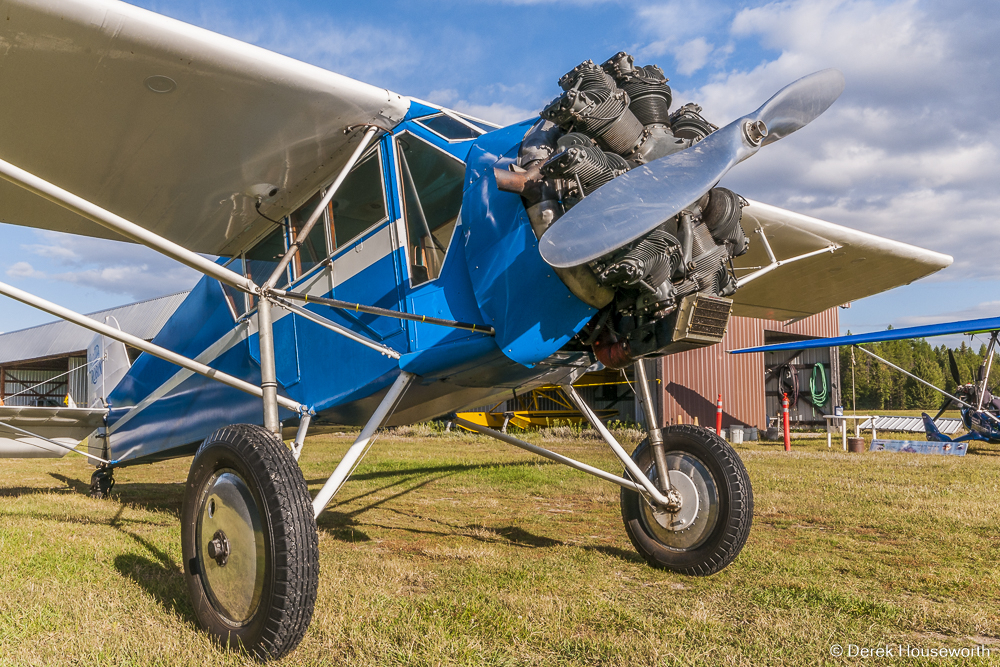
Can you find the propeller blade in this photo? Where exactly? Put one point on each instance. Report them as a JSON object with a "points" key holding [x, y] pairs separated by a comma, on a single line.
{"points": [[954, 368], [944, 406], [638, 201]]}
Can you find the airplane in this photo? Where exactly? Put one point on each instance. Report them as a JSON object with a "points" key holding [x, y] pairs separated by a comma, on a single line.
{"points": [[381, 261], [979, 408]]}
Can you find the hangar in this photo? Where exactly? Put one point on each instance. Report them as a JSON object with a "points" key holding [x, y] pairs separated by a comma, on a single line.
{"points": [[41, 365]]}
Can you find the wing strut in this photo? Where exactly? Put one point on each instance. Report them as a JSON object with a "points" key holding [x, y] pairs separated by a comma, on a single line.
{"points": [[139, 343], [775, 262], [106, 218]]}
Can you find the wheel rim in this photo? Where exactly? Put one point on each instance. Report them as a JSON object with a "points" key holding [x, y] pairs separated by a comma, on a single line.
{"points": [[693, 524], [229, 517]]}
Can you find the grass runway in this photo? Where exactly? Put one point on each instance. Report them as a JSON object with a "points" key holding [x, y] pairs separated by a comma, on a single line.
{"points": [[449, 549]]}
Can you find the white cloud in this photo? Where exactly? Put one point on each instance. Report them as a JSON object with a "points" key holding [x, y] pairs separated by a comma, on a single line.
{"points": [[23, 270], [130, 271], [910, 151]]}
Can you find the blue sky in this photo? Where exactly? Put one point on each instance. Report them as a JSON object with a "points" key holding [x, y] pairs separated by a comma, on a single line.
{"points": [[911, 150]]}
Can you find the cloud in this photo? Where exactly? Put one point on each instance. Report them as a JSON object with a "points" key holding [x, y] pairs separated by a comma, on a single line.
{"points": [[129, 271], [910, 151], [23, 270]]}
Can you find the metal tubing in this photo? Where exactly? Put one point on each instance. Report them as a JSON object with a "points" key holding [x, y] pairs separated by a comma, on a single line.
{"points": [[781, 262], [989, 366], [353, 455], [57, 444], [385, 312], [139, 343], [300, 435], [653, 430], [925, 382], [654, 494], [318, 212], [552, 456], [268, 374], [107, 219], [333, 326]]}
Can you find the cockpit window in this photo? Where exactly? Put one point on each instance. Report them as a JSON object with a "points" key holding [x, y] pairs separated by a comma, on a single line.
{"points": [[432, 197], [262, 259], [450, 128], [360, 200], [313, 250]]}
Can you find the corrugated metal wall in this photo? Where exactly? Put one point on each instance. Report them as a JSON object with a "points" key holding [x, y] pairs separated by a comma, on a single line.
{"points": [[692, 380], [77, 383]]}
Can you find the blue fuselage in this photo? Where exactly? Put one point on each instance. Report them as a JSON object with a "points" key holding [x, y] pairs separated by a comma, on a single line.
{"points": [[491, 274]]}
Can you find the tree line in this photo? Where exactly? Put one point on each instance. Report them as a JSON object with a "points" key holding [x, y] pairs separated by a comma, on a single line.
{"points": [[878, 387]]}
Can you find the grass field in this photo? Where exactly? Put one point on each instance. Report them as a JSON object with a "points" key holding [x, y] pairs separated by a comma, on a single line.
{"points": [[449, 549]]}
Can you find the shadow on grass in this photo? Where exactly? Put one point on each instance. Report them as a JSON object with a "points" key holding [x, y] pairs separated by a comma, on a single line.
{"points": [[159, 576]]}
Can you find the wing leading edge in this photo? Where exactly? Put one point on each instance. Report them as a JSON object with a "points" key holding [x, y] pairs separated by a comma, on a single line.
{"points": [[927, 331], [168, 125], [862, 265]]}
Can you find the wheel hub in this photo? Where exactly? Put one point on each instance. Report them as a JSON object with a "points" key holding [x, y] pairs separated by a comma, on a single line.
{"points": [[692, 523], [684, 516], [231, 546]]}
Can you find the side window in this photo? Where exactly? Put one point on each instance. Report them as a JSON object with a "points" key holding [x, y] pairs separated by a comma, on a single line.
{"points": [[432, 197], [261, 260], [360, 200], [236, 298], [313, 251]]}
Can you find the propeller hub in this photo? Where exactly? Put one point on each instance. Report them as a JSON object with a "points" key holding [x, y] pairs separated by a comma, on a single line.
{"points": [[754, 131]]}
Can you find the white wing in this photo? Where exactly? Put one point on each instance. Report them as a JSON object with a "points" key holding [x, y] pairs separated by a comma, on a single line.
{"points": [[863, 265], [166, 124]]}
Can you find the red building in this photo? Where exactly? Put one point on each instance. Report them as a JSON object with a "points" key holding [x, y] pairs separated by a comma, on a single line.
{"points": [[749, 383]]}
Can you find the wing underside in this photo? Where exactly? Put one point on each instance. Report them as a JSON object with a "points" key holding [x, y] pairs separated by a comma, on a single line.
{"points": [[173, 127], [859, 265]]}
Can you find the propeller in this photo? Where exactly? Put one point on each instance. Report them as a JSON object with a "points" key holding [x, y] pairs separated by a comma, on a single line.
{"points": [[944, 406], [641, 199], [954, 368]]}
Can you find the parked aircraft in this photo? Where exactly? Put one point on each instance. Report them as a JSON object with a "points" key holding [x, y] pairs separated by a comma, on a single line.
{"points": [[980, 410], [382, 261]]}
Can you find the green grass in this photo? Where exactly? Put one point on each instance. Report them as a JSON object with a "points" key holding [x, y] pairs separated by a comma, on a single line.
{"points": [[450, 549]]}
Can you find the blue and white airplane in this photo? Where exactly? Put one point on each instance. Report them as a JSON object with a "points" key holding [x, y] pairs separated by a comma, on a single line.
{"points": [[383, 261], [979, 408]]}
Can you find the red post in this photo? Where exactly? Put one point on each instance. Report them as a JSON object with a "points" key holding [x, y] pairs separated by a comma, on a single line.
{"points": [[784, 420], [718, 416]]}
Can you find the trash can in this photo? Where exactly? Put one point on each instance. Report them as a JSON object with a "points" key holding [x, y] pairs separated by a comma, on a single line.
{"points": [[736, 434], [856, 445], [750, 434]]}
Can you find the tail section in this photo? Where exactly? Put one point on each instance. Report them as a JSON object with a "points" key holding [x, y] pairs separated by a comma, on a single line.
{"points": [[933, 433], [108, 362]]}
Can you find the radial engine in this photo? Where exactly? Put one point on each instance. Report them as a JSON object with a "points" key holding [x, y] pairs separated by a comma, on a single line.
{"points": [[665, 291]]}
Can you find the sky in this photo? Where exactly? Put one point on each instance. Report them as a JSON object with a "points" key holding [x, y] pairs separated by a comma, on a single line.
{"points": [[910, 151]]}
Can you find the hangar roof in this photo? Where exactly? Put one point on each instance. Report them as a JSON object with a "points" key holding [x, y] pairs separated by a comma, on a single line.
{"points": [[143, 319]]}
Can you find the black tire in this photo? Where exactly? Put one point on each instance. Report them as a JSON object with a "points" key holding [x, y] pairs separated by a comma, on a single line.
{"points": [[718, 531], [244, 478]]}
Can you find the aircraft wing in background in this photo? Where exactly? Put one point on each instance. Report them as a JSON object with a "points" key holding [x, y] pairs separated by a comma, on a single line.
{"points": [[927, 331], [857, 265]]}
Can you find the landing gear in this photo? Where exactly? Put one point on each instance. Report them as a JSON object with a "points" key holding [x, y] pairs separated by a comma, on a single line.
{"points": [[101, 482], [713, 522], [249, 541]]}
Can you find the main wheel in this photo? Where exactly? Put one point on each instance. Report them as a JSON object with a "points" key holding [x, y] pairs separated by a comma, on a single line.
{"points": [[713, 523], [248, 535]]}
